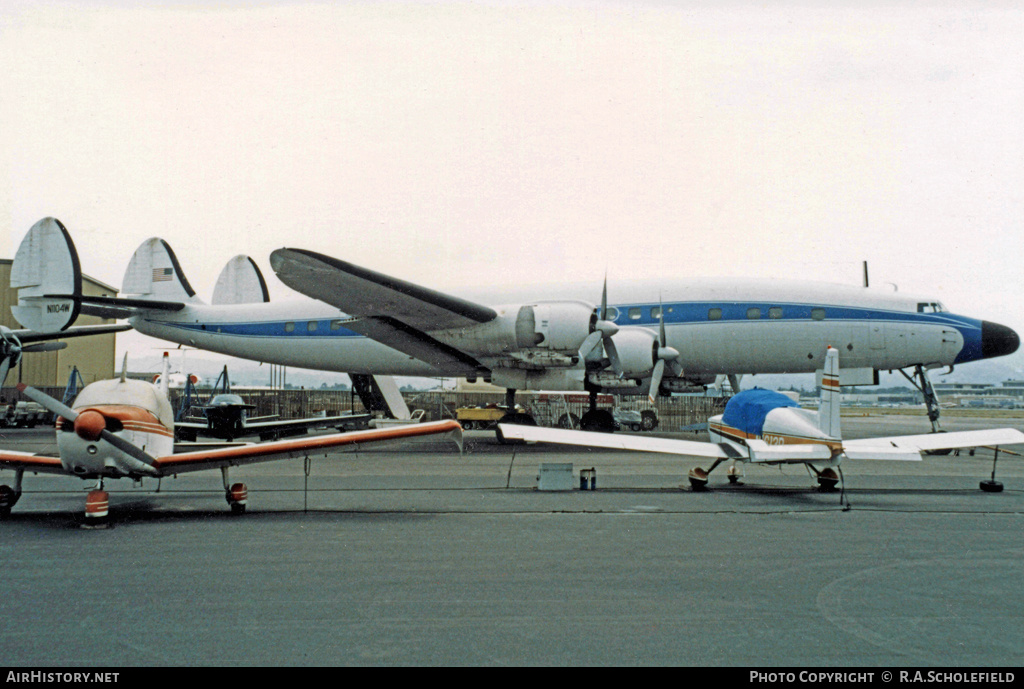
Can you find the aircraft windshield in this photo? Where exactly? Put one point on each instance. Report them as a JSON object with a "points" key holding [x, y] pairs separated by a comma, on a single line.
{"points": [[931, 307]]}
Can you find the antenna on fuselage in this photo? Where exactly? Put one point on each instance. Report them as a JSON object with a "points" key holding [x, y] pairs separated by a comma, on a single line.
{"points": [[865, 273], [124, 368]]}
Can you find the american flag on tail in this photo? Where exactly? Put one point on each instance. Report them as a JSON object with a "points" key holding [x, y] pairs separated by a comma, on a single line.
{"points": [[162, 274]]}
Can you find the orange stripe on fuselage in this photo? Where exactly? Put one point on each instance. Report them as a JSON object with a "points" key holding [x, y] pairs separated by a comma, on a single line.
{"points": [[132, 418], [736, 434]]}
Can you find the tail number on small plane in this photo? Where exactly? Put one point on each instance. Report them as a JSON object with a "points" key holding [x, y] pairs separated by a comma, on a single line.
{"points": [[58, 308]]}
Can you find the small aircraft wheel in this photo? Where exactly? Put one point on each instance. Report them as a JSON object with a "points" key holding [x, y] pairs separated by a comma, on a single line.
{"points": [[635, 427], [827, 481], [991, 486], [698, 479], [237, 508], [7, 499], [649, 420], [734, 479], [468, 425]]}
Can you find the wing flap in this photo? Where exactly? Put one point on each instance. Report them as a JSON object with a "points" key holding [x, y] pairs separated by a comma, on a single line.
{"points": [[302, 447], [688, 448], [762, 452]]}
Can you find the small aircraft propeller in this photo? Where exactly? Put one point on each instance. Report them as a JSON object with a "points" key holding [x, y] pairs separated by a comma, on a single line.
{"points": [[663, 356], [601, 332], [89, 425]]}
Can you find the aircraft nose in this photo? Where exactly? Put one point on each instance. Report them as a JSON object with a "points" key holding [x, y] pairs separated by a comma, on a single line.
{"points": [[997, 340]]}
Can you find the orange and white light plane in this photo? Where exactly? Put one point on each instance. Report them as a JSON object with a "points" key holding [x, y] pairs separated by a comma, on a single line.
{"points": [[767, 427], [124, 428]]}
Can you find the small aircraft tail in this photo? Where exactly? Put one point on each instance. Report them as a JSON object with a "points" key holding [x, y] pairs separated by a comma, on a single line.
{"points": [[828, 412], [241, 282], [155, 274]]}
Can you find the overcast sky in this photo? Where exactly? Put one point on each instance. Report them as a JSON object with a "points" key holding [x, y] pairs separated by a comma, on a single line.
{"points": [[457, 144]]}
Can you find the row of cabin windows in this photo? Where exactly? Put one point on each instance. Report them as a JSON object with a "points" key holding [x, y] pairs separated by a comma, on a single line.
{"points": [[311, 326], [715, 314]]}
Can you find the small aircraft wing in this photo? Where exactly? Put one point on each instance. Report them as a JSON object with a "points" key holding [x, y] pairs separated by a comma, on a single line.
{"points": [[388, 310], [302, 447], [26, 461], [868, 448], [687, 448]]}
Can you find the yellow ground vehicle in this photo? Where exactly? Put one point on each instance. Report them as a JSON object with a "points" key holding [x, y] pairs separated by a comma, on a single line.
{"points": [[473, 418]]}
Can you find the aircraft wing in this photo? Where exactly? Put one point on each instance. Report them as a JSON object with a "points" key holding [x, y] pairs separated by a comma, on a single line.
{"points": [[302, 447], [310, 422], [29, 462], [867, 448], [388, 310], [615, 441]]}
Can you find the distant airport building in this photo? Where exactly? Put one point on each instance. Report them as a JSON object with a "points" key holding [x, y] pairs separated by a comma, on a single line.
{"points": [[93, 355]]}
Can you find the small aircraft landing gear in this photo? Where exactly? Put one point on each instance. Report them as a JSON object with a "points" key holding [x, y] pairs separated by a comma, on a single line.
{"points": [[9, 496], [699, 478], [734, 475], [97, 508], [237, 494], [828, 479]]}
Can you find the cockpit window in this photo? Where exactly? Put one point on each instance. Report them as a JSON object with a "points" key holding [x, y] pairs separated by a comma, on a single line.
{"points": [[931, 307]]}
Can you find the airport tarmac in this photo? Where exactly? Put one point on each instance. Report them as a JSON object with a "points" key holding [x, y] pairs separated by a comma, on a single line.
{"points": [[416, 555]]}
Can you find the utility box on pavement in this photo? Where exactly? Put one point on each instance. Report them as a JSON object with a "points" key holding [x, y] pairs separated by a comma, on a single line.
{"points": [[555, 477]]}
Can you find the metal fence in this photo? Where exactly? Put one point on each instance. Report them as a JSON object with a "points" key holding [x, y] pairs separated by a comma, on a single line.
{"points": [[673, 412]]}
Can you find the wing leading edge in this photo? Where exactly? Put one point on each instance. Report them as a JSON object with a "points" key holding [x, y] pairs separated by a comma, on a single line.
{"points": [[388, 310], [302, 447]]}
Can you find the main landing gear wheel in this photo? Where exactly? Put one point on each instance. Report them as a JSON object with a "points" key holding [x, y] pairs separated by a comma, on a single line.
{"points": [[237, 497], [8, 496], [828, 479], [598, 420], [734, 476], [648, 420], [991, 486], [568, 421], [518, 419], [698, 478]]}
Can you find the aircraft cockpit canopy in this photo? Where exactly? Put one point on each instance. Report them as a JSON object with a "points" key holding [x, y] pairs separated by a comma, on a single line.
{"points": [[931, 307]]}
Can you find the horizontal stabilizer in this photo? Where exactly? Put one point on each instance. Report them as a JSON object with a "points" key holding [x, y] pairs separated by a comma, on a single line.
{"points": [[687, 448], [241, 282], [764, 453], [46, 263]]}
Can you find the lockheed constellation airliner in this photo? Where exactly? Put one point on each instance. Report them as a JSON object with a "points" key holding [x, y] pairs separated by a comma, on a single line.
{"points": [[675, 336]]}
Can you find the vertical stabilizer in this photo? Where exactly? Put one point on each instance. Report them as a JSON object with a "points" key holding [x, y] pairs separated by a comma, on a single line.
{"points": [[46, 264], [154, 273], [241, 282], [828, 412]]}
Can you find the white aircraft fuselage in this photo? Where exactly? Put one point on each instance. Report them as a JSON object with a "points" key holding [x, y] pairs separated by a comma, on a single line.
{"points": [[718, 327]]}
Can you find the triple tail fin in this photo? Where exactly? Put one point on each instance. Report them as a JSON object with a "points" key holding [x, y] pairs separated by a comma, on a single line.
{"points": [[155, 274], [828, 412]]}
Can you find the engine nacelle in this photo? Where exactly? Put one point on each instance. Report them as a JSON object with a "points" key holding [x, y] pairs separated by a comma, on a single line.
{"points": [[562, 325], [637, 350], [543, 328]]}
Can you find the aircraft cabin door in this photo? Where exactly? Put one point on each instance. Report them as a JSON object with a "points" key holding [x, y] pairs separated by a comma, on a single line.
{"points": [[876, 335]]}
